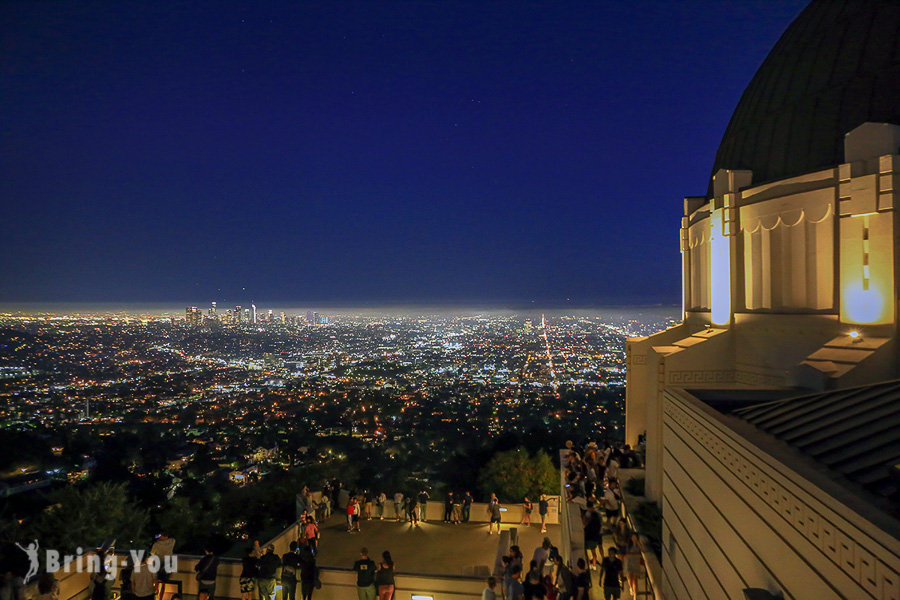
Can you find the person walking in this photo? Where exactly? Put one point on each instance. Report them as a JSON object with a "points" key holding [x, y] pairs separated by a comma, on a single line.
{"points": [[290, 565], [543, 510], [207, 568], [308, 571], [593, 527], [365, 576], [611, 576], [384, 577], [582, 581], [633, 563]]}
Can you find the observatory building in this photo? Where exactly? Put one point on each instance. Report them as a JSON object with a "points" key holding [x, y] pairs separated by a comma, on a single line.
{"points": [[772, 413]]}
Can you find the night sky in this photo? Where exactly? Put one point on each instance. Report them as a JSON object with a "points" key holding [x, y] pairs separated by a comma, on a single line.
{"points": [[362, 152]]}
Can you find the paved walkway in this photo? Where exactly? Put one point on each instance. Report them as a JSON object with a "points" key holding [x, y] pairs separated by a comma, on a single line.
{"points": [[432, 547]]}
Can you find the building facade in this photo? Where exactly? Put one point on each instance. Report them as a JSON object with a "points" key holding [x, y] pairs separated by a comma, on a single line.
{"points": [[790, 288]]}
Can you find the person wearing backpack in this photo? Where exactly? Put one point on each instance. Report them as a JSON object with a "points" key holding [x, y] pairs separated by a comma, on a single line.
{"points": [[207, 569], [290, 564]]}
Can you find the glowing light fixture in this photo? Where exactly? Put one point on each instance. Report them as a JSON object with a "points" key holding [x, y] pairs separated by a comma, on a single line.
{"points": [[854, 334], [420, 597], [719, 269]]}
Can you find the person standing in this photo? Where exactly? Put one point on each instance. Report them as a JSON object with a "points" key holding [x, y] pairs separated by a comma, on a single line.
{"points": [[311, 533], [125, 574], [515, 590], [290, 565], [365, 576], [542, 555], [489, 593], [412, 510], [380, 501], [611, 575], [494, 512], [423, 505], [384, 578], [543, 510], [563, 579], [207, 568], [467, 506], [527, 507], [307, 571], [163, 547], [249, 572], [368, 504], [398, 506], [143, 581], [457, 509], [267, 566], [350, 508], [448, 507]]}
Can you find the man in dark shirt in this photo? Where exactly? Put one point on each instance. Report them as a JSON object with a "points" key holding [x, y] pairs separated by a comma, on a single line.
{"points": [[307, 570], [592, 532], [290, 564], [448, 507], [563, 579], [582, 581], [515, 590], [267, 566], [543, 509], [423, 504], [207, 569], [467, 506], [365, 576], [611, 573]]}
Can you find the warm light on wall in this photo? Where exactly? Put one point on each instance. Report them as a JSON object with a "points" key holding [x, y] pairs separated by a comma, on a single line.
{"points": [[864, 306], [865, 278], [719, 270]]}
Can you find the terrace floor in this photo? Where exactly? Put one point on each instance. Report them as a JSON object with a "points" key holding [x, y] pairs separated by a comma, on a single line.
{"points": [[432, 547]]}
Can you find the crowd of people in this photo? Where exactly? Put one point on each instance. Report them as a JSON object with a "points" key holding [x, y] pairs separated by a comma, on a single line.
{"points": [[592, 482]]}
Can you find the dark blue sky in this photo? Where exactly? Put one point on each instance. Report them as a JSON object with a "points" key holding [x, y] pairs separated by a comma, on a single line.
{"points": [[362, 152]]}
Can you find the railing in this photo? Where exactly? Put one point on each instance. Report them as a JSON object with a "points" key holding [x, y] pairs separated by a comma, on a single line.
{"points": [[649, 585]]}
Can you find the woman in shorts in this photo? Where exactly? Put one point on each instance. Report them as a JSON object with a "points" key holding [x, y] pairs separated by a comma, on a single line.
{"points": [[527, 507]]}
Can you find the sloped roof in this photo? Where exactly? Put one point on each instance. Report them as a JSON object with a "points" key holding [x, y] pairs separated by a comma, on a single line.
{"points": [[853, 432]]}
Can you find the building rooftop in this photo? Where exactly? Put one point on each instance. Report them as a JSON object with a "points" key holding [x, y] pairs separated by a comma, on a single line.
{"points": [[852, 432]]}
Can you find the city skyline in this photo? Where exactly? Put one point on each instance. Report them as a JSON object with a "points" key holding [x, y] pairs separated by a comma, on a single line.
{"points": [[361, 153]]}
